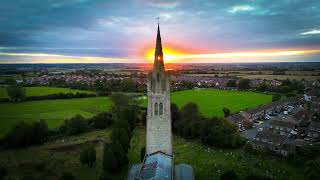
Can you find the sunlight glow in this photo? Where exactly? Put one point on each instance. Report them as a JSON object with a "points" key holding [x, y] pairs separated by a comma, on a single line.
{"points": [[171, 56]]}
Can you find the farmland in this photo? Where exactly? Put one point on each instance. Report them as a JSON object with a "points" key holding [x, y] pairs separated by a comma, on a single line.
{"points": [[54, 112], [212, 101], [43, 91]]}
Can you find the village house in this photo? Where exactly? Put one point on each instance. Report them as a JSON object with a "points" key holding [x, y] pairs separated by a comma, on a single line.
{"points": [[241, 120], [274, 142], [314, 130], [283, 127]]}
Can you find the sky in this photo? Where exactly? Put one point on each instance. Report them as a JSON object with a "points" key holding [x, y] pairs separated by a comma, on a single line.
{"points": [[122, 31]]}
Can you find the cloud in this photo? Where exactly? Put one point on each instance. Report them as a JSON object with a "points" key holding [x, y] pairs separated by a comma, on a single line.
{"points": [[312, 32], [241, 8], [118, 28]]}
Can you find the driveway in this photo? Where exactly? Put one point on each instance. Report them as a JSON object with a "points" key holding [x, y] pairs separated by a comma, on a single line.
{"points": [[251, 133]]}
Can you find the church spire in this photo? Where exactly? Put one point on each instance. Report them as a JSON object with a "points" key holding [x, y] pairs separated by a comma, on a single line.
{"points": [[158, 51], [158, 64]]}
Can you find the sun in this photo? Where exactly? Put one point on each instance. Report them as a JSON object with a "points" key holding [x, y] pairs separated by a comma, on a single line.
{"points": [[169, 55]]}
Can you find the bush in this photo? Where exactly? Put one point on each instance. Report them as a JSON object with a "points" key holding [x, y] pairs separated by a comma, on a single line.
{"points": [[228, 175], [75, 125], [3, 172], [88, 156], [276, 97], [104, 176], [226, 111], [257, 177], [248, 148], [67, 176], [312, 169], [101, 120], [40, 166], [25, 134], [16, 93]]}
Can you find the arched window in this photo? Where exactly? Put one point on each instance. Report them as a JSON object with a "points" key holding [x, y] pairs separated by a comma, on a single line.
{"points": [[156, 109], [160, 109]]}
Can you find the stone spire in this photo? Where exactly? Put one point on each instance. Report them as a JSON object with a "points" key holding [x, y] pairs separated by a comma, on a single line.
{"points": [[158, 65], [158, 51]]}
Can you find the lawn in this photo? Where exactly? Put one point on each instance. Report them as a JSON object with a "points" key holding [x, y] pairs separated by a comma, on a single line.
{"points": [[212, 101], [210, 163], [42, 91], [53, 111]]}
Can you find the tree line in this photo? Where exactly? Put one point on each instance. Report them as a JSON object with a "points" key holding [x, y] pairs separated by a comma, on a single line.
{"points": [[190, 124]]}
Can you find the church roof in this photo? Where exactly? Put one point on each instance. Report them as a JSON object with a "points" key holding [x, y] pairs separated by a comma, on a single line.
{"points": [[156, 166]]}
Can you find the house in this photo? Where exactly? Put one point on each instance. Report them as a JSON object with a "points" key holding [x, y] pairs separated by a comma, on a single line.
{"points": [[274, 142], [314, 130], [282, 127], [303, 115]]}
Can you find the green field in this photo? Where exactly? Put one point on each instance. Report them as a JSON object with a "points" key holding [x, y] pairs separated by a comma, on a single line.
{"points": [[212, 101], [53, 111], [43, 91], [208, 163]]}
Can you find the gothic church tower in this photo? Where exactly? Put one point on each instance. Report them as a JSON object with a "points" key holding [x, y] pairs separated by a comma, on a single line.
{"points": [[159, 135]]}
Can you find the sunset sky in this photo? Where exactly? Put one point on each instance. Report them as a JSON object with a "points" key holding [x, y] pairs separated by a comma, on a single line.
{"points": [[102, 31]]}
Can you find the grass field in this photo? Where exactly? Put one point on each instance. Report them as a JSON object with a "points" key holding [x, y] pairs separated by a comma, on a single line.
{"points": [[53, 111], [212, 101], [208, 163], [42, 91]]}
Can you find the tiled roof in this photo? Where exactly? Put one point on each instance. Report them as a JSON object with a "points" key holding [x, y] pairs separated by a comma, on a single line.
{"points": [[157, 166]]}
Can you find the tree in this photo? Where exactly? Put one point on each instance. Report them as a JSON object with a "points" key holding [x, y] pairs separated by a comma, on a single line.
{"points": [[263, 87], [142, 153], [226, 111], [91, 156], [84, 156], [175, 114], [244, 84], [75, 125], [231, 83], [26, 134], [101, 120], [16, 93], [230, 174], [109, 161], [120, 135], [190, 112], [276, 97], [119, 153]]}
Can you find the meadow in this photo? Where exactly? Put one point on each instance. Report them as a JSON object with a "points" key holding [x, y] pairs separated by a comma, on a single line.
{"points": [[54, 112], [211, 101], [43, 91], [48, 161]]}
